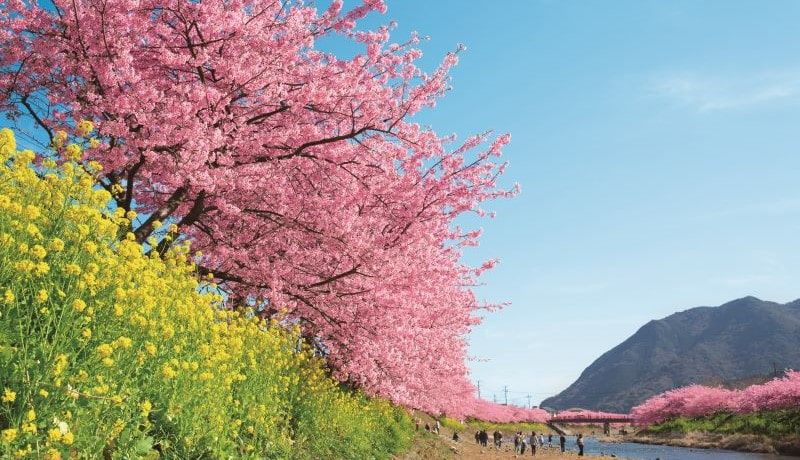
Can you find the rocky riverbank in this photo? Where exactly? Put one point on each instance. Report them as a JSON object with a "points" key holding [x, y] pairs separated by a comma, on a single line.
{"points": [[785, 445]]}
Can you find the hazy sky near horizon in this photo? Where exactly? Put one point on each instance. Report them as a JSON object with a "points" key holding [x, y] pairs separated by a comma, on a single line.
{"points": [[656, 143]]}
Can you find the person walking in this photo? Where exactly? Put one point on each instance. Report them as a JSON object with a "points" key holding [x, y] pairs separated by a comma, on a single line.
{"points": [[516, 442], [550, 439], [438, 426], [580, 445], [533, 443], [522, 445], [498, 439], [563, 441]]}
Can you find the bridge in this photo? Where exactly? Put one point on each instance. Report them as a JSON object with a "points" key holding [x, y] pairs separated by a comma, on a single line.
{"points": [[558, 421], [592, 419]]}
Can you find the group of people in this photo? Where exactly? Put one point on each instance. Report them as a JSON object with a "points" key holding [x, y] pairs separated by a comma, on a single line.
{"points": [[482, 437], [431, 429], [523, 442]]}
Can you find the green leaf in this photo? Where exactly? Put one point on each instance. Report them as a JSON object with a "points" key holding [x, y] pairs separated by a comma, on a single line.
{"points": [[144, 446]]}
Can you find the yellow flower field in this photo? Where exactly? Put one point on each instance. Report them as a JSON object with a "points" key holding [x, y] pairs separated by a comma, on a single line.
{"points": [[106, 349]]}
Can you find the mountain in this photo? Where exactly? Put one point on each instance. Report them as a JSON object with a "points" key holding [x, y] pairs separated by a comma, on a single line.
{"points": [[737, 341]]}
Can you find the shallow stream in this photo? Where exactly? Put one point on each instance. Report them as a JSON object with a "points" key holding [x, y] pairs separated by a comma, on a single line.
{"points": [[629, 450]]}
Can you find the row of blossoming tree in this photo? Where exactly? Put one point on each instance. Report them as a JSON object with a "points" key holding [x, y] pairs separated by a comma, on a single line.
{"points": [[699, 400], [301, 177]]}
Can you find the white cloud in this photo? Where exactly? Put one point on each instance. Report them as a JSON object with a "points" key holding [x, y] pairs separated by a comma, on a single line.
{"points": [[707, 93]]}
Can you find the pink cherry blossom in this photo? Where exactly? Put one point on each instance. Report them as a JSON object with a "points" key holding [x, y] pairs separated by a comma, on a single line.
{"points": [[698, 400], [300, 176]]}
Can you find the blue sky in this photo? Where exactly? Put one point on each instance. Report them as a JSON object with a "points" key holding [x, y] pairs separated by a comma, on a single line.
{"points": [[656, 143]]}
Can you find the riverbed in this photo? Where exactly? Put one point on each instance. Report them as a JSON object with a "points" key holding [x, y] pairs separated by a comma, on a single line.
{"points": [[651, 452]]}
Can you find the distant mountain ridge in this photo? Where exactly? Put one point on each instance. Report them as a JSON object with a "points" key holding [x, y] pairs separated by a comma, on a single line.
{"points": [[735, 341]]}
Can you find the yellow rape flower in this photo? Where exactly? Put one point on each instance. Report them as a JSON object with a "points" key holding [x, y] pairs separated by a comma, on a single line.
{"points": [[8, 296], [41, 268], [32, 212], [84, 128], [8, 144], [9, 435], [59, 365], [41, 296], [105, 350], [79, 305], [54, 434], [145, 407], [56, 245], [9, 395], [90, 247], [38, 251], [59, 139], [73, 152], [123, 342], [168, 373]]}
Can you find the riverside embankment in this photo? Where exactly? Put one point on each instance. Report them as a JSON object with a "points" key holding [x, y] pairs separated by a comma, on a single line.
{"points": [[742, 442], [429, 446]]}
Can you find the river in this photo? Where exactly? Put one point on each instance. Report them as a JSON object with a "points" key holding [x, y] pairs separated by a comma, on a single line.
{"points": [[651, 452]]}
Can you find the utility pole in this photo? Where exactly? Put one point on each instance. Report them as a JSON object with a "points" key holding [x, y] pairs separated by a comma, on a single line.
{"points": [[479, 389], [494, 398], [505, 390], [529, 400]]}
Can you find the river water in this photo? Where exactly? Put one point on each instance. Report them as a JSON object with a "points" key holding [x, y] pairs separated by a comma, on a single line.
{"points": [[652, 452]]}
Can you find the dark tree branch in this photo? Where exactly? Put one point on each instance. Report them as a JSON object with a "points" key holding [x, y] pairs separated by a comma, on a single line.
{"points": [[36, 118], [163, 212]]}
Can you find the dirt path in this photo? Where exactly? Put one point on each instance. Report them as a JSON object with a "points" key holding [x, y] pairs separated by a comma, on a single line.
{"points": [[429, 446]]}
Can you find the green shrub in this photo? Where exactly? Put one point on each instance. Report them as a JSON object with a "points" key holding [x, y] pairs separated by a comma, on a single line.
{"points": [[772, 423]]}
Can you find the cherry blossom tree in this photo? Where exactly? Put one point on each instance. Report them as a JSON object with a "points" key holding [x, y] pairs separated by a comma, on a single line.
{"points": [[300, 177], [699, 400]]}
